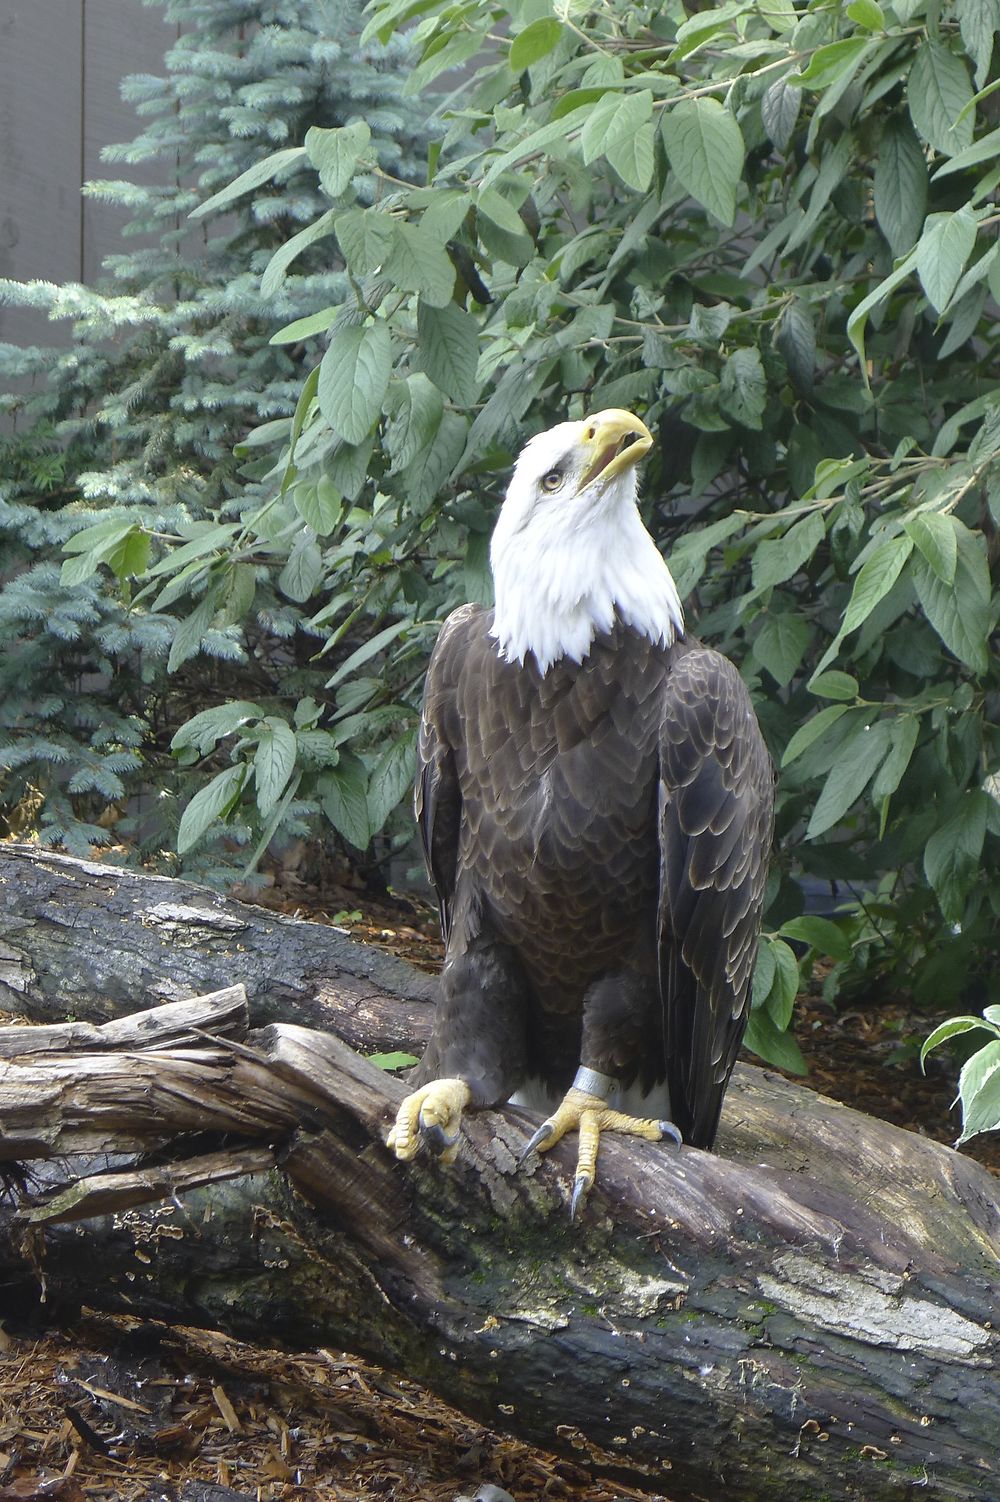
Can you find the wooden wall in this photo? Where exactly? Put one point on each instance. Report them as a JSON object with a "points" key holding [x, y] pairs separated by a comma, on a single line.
{"points": [[60, 66]]}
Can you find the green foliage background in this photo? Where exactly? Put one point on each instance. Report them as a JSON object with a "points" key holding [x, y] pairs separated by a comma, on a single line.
{"points": [[771, 229]]}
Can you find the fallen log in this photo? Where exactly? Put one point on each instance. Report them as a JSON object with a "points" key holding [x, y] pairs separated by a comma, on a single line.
{"points": [[808, 1315]]}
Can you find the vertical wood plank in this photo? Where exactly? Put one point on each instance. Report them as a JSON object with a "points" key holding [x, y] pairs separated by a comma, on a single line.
{"points": [[40, 154]]}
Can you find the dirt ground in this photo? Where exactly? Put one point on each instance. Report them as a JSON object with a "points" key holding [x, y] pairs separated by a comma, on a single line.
{"points": [[117, 1409]]}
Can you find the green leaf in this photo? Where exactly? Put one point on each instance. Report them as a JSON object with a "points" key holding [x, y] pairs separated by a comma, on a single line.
{"points": [[780, 1000], [820, 934], [392, 1061], [834, 685], [779, 111], [942, 252], [952, 855], [979, 1091], [854, 769], [705, 147], [130, 557], [612, 120], [366, 237], [254, 177], [959, 612], [353, 378], [633, 158], [764, 971], [216, 801], [938, 90], [795, 339], [448, 350], [830, 63], [367, 650], [320, 505], [935, 536], [743, 388], [950, 1029], [203, 731], [979, 21], [537, 40], [867, 13], [858, 320], [777, 559], [418, 262], [986, 149], [335, 152], [273, 762], [391, 779], [303, 572], [304, 328], [905, 729], [875, 579], [781, 644], [900, 185], [343, 792], [277, 266], [811, 731], [415, 410], [779, 1049]]}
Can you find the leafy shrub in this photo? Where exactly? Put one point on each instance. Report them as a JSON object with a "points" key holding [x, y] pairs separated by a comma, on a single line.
{"points": [[979, 1081]]}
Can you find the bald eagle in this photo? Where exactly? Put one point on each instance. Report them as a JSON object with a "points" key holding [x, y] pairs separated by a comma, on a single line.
{"points": [[594, 800]]}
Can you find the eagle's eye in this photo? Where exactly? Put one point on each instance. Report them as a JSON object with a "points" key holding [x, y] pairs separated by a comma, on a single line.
{"points": [[552, 480]]}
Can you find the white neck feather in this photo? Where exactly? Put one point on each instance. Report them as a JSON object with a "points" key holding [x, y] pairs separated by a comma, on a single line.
{"points": [[563, 572]]}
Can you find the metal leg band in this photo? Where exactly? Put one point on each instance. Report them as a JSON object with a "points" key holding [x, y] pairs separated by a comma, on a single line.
{"points": [[592, 1082]]}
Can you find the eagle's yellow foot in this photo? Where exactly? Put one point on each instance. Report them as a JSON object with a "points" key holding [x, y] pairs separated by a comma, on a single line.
{"points": [[430, 1115], [589, 1115]]}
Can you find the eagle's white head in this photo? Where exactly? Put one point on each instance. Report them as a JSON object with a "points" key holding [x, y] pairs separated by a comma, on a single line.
{"points": [[569, 548]]}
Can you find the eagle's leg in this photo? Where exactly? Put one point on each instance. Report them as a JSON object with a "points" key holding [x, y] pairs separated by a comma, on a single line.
{"points": [[476, 1056], [584, 1109]]}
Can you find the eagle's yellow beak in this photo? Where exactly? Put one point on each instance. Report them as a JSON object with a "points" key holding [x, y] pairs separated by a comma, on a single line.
{"points": [[616, 440]]}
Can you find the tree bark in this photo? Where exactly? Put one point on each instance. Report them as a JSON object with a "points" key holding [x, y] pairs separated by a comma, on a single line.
{"points": [[807, 1315]]}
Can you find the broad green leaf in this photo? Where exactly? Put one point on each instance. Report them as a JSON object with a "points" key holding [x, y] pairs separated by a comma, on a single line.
{"points": [[368, 650], [935, 536], [979, 1091], [418, 262], [858, 320], [830, 63], [687, 560], [319, 505], [391, 779], [335, 153], [501, 211], [303, 572], [743, 387], [986, 149], [795, 338], [853, 770], [113, 542], [392, 1061], [705, 147], [304, 328], [900, 185], [415, 408], [632, 158], [277, 266], [204, 731], [536, 41], [820, 934], [834, 685], [811, 731], [959, 612], [952, 855], [905, 729], [876, 577], [979, 21], [779, 558], [216, 801], [353, 378], [942, 251], [343, 792], [780, 1000], [781, 644], [953, 1028], [254, 177], [938, 90], [612, 120], [273, 763], [190, 632], [215, 536], [763, 974], [867, 13], [129, 558], [366, 238], [779, 111], [448, 350], [779, 1049], [102, 535]]}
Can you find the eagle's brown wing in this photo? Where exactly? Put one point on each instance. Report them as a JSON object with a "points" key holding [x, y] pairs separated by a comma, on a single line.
{"points": [[716, 812]]}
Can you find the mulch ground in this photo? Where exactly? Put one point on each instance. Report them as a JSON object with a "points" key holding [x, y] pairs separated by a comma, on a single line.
{"points": [[115, 1409]]}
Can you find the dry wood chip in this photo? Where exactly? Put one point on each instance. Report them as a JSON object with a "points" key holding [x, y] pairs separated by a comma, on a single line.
{"points": [[227, 1410], [110, 1397]]}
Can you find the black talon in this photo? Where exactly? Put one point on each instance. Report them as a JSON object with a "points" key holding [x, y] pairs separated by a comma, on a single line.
{"points": [[581, 1188], [436, 1138], [545, 1131], [667, 1129]]}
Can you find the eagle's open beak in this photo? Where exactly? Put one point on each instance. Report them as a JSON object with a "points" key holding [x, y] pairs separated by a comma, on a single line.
{"points": [[616, 440]]}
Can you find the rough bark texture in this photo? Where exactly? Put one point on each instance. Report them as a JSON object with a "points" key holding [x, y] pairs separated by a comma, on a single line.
{"points": [[807, 1315]]}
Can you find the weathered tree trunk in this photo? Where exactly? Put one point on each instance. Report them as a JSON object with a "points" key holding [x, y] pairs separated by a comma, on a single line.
{"points": [[807, 1315]]}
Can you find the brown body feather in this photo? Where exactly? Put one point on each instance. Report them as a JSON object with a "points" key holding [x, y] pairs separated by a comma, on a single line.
{"points": [[598, 839]]}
